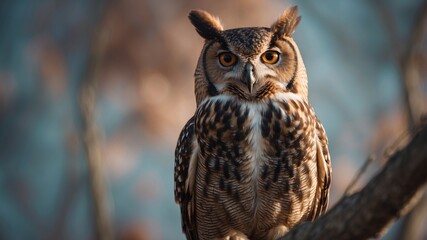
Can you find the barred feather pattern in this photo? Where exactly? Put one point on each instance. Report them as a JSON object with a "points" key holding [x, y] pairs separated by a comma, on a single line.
{"points": [[257, 168]]}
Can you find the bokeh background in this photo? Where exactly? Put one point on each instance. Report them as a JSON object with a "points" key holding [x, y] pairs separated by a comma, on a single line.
{"points": [[139, 56]]}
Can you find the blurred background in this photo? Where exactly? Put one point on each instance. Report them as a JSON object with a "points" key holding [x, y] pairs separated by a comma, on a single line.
{"points": [[112, 81]]}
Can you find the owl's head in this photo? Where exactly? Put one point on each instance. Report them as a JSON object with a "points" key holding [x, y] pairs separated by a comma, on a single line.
{"points": [[253, 63]]}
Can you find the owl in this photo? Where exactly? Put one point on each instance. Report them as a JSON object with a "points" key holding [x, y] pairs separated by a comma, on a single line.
{"points": [[253, 161]]}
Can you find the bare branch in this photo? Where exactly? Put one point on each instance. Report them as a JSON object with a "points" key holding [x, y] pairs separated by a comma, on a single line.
{"points": [[102, 210], [359, 174], [408, 60], [368, 213]]}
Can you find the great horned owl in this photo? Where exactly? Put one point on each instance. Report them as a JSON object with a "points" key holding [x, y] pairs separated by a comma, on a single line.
{"points": [[253, 161]]}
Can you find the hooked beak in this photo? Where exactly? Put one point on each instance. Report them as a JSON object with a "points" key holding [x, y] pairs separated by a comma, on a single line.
{"points": [[248, 76]]}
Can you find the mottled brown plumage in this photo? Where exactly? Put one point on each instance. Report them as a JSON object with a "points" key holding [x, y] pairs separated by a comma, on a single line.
{"points": [[253, 161]]}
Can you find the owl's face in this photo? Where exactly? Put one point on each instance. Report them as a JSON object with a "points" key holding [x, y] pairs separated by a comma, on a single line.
{"points": [[250, 63]]}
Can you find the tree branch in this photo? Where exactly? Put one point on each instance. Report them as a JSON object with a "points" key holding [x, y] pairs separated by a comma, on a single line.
{"points": [[368, 213], [408, 60], [91, 141]]}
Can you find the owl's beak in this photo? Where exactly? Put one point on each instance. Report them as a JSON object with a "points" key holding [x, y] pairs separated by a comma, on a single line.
{"points": [[248, 76]]}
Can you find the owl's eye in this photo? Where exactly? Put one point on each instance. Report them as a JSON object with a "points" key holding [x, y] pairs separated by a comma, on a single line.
{"points": [[270, 57], [227, 59]]}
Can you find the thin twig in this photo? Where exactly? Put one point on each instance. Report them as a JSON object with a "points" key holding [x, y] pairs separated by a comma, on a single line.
{"points": [[390, 150], [102, 207], [402, 138], [359, 174]]}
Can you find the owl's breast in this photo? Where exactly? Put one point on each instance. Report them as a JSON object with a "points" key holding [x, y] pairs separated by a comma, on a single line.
{"points": [[258, 156], [223, 127]]}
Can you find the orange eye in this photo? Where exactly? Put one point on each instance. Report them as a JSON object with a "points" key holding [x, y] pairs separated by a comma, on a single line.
{"points": [[270, 57], [227, 59]]}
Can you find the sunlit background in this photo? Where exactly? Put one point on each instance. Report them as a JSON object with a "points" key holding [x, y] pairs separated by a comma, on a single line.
{"points": [[145, 55]]}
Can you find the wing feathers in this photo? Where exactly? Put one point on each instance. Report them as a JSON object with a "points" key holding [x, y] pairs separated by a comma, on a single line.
{"points": [[323, 172], [183, 194]]}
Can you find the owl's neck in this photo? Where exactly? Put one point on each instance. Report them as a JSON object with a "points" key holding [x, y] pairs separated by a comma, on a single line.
{"points": [[280, 97]]}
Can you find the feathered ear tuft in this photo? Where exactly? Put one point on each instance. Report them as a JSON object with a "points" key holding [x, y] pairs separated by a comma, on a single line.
{"points": [[208, 26], [286, 24]]}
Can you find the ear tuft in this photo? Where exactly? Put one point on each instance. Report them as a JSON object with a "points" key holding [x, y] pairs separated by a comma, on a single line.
{"points": [[208, 26], [287, 23]]}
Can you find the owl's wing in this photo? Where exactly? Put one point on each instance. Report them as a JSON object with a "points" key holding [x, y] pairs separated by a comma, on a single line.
{"points": [[183, 196], [323, 172]]}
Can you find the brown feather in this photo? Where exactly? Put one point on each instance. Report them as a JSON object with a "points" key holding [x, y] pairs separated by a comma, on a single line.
{"points": [[286, 24], [208, 26]]}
